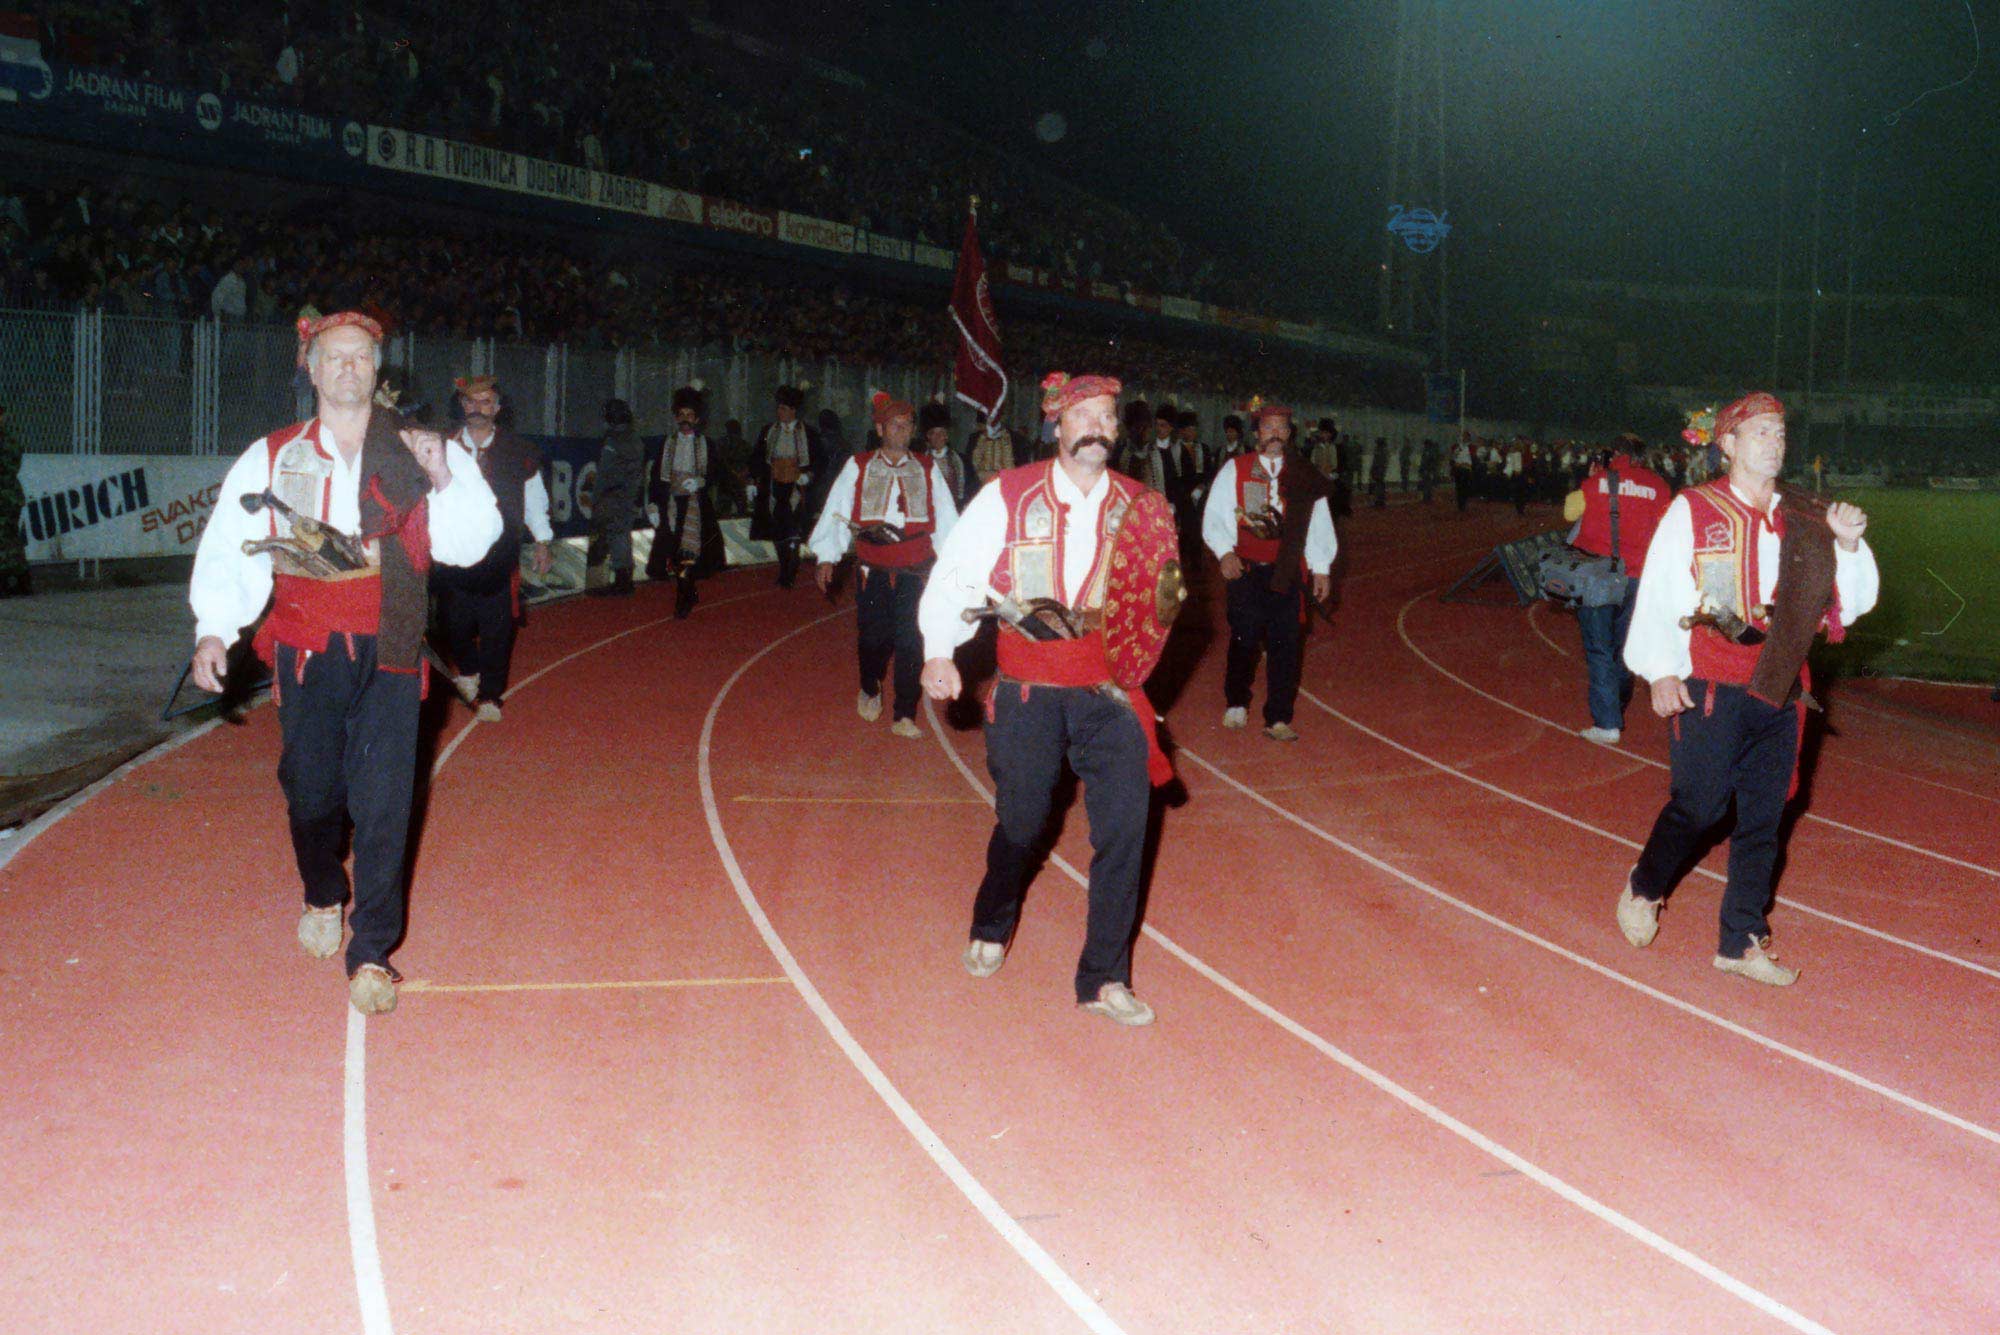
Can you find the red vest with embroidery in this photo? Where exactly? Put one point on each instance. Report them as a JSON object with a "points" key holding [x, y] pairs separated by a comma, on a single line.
{"points": [[1031, 565], [1726, 575], [308, 610], [916, 548], [1255, 490]]}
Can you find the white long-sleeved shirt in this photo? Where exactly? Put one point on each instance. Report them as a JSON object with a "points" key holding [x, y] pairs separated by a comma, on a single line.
{"points": [[966, 559], [831, 536], [1657, 647], [229, 588], [534, 497], [1219, 526]]}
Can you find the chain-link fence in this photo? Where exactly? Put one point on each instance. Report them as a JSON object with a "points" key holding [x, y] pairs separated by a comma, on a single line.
{"points": [[85, 382], [38, 382], [148, 386]]}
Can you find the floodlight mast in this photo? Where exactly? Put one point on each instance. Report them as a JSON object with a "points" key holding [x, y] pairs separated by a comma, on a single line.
{"points": [[1413, 289]]}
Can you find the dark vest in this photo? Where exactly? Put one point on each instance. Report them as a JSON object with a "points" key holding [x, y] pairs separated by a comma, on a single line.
{"points": [[507, 463]]}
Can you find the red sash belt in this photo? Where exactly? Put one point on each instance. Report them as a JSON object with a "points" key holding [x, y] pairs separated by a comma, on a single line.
{"points": [[307, 613], [1079, 662], [895, 555], [1256, 550]]}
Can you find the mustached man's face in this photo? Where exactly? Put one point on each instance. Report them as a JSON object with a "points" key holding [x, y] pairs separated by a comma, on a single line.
{"points": [[1272, 434], [480, 409], [1087, 431], [687, 419], [896, 434]]}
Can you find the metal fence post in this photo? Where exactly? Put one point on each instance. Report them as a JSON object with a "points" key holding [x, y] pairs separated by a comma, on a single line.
{"points": [[551, 388]]}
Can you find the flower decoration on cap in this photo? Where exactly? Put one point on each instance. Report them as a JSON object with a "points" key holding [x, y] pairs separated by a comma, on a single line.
{"points": [[1062, 391], [311, 327], [1258, 410], [1745, 408], [469, 385], [1700, 428], [885, 407]]}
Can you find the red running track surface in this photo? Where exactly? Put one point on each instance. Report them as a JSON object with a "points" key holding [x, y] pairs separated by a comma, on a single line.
{"points": [[687, 1046]]}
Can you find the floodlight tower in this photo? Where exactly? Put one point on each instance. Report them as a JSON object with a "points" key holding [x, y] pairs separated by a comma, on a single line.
{"points": [[1413, 287]]}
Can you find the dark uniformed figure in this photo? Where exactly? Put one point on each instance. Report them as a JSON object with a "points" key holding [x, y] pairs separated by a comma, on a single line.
{"points": [[614, 507], [13, 542]]}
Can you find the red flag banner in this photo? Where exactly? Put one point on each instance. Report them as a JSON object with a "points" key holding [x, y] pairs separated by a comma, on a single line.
{"points": [[981, 381]]}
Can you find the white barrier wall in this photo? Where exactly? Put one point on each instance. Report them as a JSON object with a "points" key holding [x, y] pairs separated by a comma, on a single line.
{"points": [[93, 506]]}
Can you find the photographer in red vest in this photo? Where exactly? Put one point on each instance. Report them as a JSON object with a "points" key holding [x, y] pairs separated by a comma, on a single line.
{"points": [[1643, 497]]}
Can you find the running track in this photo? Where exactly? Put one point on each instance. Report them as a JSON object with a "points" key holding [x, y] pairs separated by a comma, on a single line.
{"points": [[687, 1047]]}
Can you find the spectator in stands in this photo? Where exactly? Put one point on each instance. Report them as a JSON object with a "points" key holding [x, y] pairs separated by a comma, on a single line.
{"points": [[231, 298]]}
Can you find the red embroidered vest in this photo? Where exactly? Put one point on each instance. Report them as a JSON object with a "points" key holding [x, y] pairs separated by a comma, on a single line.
{"points": [[1031, 565], [871, 506], [308, 610], [1254, 491], [1726, 575]]}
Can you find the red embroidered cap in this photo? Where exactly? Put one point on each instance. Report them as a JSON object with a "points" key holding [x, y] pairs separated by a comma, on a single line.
{"points": [[1745, 408], [310, 329], [1062, 391]]}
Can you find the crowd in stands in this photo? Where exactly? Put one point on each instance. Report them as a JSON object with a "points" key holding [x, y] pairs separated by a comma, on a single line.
{"points": [[124, 254], [630, 88]]}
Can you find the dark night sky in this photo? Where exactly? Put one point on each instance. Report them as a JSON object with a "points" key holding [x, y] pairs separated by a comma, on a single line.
{"points": [[1588, 138]]}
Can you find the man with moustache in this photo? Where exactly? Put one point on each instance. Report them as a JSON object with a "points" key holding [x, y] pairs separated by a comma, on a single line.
{"points": [[893, 505], [481, 603], [1267, 522], [1042, 532], [345, 645], [1740, 577]]}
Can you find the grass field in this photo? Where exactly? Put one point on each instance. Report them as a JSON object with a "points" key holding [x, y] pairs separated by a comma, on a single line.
{"points": [[1940, 610]]}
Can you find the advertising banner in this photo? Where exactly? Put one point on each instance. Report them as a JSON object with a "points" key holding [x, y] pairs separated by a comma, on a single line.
{"points": [[94, 506]]}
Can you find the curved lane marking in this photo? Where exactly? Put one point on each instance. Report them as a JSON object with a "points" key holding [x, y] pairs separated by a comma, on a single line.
{"points": [[1568, 819], [1673, 1251], [981, 1199], [1563, 731]]}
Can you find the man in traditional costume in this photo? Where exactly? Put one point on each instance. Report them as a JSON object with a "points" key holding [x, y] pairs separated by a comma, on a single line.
{"points": [[893, 506], [1268, 523], [934, 442], [335, 521], [615, 496], [481, 603], [781, 466], [1076, 561], [680, 494], [1740, 578], [992, 448]]}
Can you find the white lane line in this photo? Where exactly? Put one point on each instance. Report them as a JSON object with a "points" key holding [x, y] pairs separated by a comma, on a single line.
{"points": [[459, 737], [1820, 1064], [1563, 731], [1673, 1251], [368, 1284], [1635, 846], [981, 1199], [1535, 623], [41, 824]]}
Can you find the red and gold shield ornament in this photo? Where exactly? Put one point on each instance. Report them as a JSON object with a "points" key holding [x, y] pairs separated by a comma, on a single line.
{"points": [[1143, 591]]}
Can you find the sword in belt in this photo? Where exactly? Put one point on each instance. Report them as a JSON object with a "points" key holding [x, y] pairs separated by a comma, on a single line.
{"points": [[321, 545]]}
